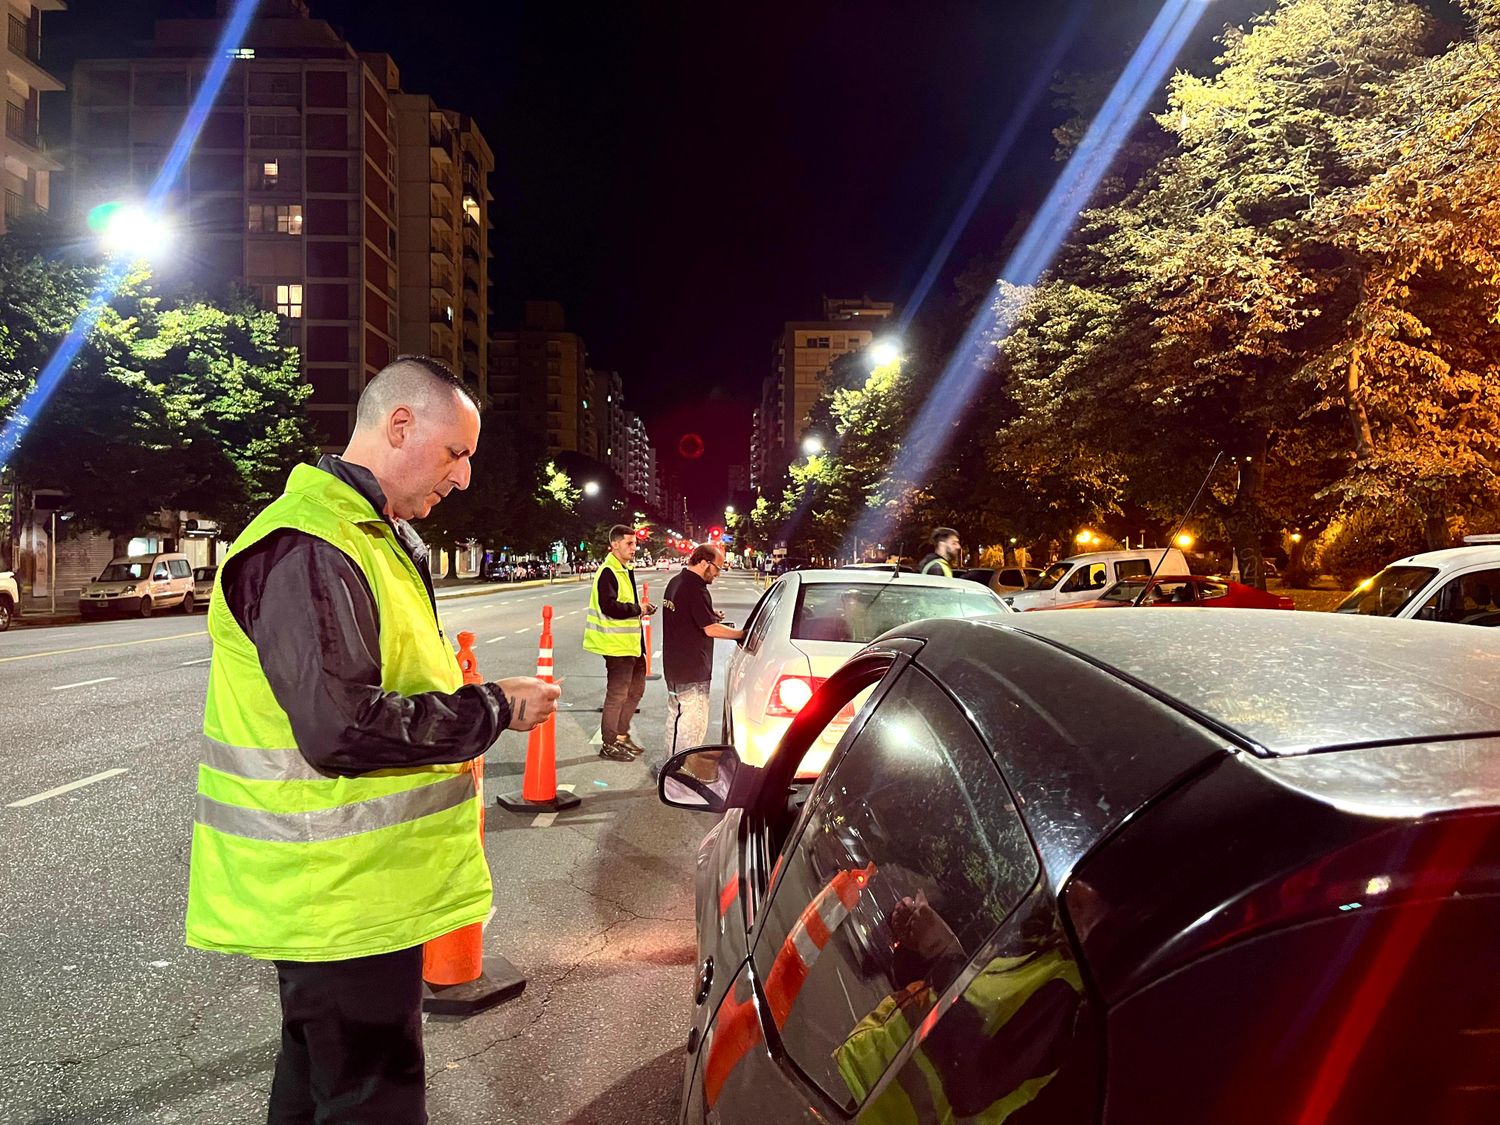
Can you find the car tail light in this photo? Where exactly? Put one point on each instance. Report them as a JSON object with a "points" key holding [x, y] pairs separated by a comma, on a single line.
{"points": [[791, 694]]}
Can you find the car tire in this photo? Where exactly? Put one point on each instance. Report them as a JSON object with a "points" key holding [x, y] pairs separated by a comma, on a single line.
{"points": [[145, 609], [7, 612], [187, 603]]}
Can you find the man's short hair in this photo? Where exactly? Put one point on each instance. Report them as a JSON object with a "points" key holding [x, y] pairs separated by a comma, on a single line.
{"points": [[703, 553], [407, 378], [620, 531], [941, 533]]}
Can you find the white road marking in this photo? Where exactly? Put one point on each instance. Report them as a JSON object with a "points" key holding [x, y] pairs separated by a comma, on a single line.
{"points": [[520, 632], [84, 683], [61, 789], [598, 739], [490, 917], [190, 663], [93, 648], [493, 640], [544, 820]]}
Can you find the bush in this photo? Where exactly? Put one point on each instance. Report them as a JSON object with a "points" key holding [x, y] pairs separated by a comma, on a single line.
{"points": [[1363, 542]]}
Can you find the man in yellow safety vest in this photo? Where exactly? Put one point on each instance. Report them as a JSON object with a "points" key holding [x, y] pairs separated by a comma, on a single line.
{"points": [[337, 824], [613, 631]]}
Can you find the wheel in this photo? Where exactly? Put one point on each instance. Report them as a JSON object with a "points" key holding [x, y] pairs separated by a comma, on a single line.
{"points": [[187, 603], [6, 612], [145, 607]]}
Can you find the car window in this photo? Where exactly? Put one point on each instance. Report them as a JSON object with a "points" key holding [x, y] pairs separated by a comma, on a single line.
{"points": [[858, 612], [161, 573], [1388, 593], [1091, 577], [204, 574], [123, 572], [1133, 568], [1170, 592], [763, 614], [1010, 576], [909, 854], [1209, 590], [1469, 599], [180, 568]]}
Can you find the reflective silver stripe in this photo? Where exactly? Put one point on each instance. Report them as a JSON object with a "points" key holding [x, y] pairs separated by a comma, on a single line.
{"points": [[255, 764], [346, 820], [593, 626]]}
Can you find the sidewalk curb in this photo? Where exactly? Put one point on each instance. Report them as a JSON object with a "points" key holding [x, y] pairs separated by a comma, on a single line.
{"points": [[449, 593]]}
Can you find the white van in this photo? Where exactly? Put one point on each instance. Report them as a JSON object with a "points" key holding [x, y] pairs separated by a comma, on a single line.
{"points": [[1080, 578], [1459, 585]]}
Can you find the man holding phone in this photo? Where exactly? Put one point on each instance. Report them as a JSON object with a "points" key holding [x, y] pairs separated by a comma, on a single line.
{"points": [[689, 628]]}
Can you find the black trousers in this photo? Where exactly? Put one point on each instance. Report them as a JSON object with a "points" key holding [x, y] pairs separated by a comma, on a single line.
{"points": [[351, 1042], [625, 683]]}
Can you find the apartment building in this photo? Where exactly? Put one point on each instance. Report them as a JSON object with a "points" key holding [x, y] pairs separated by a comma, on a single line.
{"points": [[28, 167]]}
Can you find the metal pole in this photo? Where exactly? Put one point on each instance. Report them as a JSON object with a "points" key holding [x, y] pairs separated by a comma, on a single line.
{"points": [[52, 573]]}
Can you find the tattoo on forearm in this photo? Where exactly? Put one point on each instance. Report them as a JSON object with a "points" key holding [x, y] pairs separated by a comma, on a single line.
{"points": [[517, 709]]}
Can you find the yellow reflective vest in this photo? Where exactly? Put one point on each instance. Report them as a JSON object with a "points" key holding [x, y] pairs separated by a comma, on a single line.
{"points": [[612, 636], [292, 863]]}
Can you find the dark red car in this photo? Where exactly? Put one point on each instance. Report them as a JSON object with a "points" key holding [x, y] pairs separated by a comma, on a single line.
{"points": [[1184, 589]]}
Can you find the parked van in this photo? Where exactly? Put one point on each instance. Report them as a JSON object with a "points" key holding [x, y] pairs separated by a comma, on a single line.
{"points": [[1082, 577], [140, 584], [1460, 585]]}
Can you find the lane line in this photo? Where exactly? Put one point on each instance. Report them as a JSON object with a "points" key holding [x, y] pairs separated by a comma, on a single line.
{"points": [[521, 632], [61, 789], [544, 820], [95, 648], [190, 663], [492, 640], [84, 683]]}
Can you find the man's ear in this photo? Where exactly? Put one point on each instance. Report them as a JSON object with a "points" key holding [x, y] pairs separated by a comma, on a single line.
{"points": [[399, 425]]}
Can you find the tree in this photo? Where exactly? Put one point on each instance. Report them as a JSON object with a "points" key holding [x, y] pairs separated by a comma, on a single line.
{"points": [[167, 405]]}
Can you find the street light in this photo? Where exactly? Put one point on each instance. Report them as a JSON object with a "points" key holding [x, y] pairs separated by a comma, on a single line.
{"points": [[130, 231], [812, 445], [591, 488], [1084, 538], [729, 509], [1185, 541], [1296, 537], [885, 351]]}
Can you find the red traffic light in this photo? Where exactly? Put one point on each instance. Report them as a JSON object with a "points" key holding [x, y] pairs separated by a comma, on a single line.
{"points": [[715, 532], [642, 533]]}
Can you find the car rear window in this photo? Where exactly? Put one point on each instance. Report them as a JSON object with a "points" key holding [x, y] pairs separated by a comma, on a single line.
{"points": [[858, 612]]}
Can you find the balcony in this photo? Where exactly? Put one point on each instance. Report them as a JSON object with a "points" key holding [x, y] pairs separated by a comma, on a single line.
{"points": [[22, 55], [27, 147], [440, 191], [440, 141], [440, 314]]}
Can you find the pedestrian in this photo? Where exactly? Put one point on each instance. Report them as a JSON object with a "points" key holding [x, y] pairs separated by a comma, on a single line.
{"points": [[337, 825], [946, 551], [613, 630], [689, 627]]}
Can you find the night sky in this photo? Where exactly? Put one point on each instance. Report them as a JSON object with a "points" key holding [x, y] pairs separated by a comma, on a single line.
{"points": [[685, 177]]}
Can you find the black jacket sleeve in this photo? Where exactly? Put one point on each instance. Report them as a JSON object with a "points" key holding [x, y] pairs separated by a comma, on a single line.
{"points": [[609, 597], [315, 626]]}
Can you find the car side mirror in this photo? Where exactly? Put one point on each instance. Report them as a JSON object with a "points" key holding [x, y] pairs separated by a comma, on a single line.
{"points": [[704, 779]]}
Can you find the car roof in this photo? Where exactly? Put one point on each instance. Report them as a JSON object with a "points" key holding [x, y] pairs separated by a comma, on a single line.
{"points": [[1294, 683], [1096, 556], [1453, 556]]}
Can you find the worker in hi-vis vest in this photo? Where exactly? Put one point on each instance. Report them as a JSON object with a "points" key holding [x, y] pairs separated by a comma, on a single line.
{"points": [[613, 631], [947, 550], [337, 824]]}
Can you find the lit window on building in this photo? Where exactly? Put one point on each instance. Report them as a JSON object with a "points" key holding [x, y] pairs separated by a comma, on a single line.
{"points": [[289, 300], [270, 173], [242, 53], [471, 209], [276, 218]]}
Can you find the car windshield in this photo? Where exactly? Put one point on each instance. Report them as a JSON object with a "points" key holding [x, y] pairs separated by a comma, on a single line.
{"points": [[858, 612], [204, 574], [125, 572], [1052, 576], [1389, 592]]}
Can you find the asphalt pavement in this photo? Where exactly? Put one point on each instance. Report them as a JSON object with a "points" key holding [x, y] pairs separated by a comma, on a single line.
{"points": [[108, 1017]]}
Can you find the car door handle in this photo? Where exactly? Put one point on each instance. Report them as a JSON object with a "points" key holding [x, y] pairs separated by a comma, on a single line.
{"points": [[705, 981]]}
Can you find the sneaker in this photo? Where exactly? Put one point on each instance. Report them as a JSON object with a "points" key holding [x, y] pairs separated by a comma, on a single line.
{"points": [[616, 752], [636, 750]]}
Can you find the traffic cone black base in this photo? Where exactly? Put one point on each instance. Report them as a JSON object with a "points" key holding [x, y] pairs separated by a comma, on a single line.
{"points": [[516, 802], [500, 981]]}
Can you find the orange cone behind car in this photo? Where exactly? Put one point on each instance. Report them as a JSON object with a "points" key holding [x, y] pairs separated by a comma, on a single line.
{"points": [[460, 979], [539, 791]]}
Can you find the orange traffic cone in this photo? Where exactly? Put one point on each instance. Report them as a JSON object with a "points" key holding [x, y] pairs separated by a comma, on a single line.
{"points": [[539, 792], [646, 625], [460, 979]]}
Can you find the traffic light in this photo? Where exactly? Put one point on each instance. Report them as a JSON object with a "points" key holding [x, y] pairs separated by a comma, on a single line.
{"points": [[716, 533], [642, 532]]}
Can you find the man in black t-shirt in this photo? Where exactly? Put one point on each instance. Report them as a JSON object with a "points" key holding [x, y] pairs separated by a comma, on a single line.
{"points": [[690, 625]]}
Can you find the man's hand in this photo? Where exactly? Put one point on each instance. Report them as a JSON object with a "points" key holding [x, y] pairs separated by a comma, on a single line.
{"points": [[530, 700], [647, 609]]}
